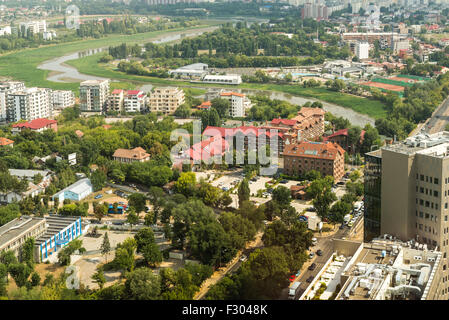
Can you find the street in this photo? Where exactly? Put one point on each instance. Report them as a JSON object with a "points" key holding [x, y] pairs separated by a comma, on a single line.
{"points": [[437, 122]]}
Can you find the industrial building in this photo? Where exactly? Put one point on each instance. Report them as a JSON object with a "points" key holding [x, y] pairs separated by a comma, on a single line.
{"points": [[228, 79], [196, 70], [384, 269]]}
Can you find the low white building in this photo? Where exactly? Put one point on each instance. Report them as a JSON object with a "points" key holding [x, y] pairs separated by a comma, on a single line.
{"points": [[196, 70], [76, 191], [228, 79]]}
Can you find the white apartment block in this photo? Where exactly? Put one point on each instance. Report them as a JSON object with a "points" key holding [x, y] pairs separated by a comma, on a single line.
{"points": [[93, 95], [239, 103], [62, 99], [134, 101], [5, 88], [362, 50], [166, 100], [28, 104], [228, 79], [34, 26]]}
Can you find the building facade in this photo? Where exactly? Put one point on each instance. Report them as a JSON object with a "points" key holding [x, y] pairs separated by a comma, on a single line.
{"points": [[115, 101], [76, 191], [239, 103], [362, 50], [134, 101], [166, 100], [63, 99], [93, 95], [134, 155], [28, 104], [6, 88], [325, 157], [310, 123], [37, 125]]}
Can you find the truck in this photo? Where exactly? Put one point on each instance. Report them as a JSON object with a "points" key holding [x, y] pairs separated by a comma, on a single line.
{"points": [[293, 290]]}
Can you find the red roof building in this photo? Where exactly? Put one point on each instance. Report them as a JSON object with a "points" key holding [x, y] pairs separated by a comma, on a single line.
{"points": [[127, 156], [325, 157], [6, 142], [206, 105], [341, 138], [207, 149], [37, 125]]}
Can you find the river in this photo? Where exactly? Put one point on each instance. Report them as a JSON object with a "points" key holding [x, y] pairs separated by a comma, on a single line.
{"points": [[61, 72]]}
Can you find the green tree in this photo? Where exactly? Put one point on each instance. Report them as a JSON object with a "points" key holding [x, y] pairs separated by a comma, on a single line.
{"points": [[282, 196], [143, 237], [186, 183], [99, 278], [20, 272], [152, 254], [243, 191], [105, 246], [132, 217], [321, 192], [137, 201], [142, 284]]}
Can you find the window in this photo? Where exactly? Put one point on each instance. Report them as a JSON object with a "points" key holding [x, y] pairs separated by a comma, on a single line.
{"points": [[427, 178], [427, 216], [436, 181], [421, 189], [430, 179], [421, 214], [435, 193], [421, 177]]}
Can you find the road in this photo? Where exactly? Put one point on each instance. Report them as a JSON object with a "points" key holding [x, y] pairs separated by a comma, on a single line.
{"points": [[440, 117]]}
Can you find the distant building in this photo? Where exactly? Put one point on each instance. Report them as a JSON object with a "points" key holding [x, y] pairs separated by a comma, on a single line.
{"points": [[134, 155], [93, 95], [310, 123], [196, 70], [205, 105], [28, 104], [63, 99], [239, 103], [166, 100], [76, 191], [362, 50], [37, 125], [325, 157], [34, 27], [49, 35], [7, 87], [228, 79], [6, 142]]}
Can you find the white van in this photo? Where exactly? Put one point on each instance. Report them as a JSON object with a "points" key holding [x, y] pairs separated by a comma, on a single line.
{"points": [[314, 241]]}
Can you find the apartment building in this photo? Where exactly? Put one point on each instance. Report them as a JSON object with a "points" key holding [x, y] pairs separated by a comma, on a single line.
{"points": [[166, 100], [93, 95], [62, 99], [362, 50], [325, 157], [239, 103], [33, 26], [134, 101], [115, 100], [411, 179], [28, 104], [5, 88], [310, 123]]}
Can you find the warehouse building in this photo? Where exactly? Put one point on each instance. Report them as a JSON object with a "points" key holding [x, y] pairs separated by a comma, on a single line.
{"points": [[77, 191]]}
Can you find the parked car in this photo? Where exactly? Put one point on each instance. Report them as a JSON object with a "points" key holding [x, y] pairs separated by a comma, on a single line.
{"points": [[341, 183], [270, 190], [292, 278], [98, 196], [312, 209], [312, 266], [284, 181], [243, 258], [311, 255], [310, 279], [225, 188], [319, 252]]}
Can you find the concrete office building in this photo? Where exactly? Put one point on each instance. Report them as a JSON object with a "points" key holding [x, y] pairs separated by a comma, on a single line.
{"points": [[410, 181], [93, 95], [166, 100], [28, 104]]}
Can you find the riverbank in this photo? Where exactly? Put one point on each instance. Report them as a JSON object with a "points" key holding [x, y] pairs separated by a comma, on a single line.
{"points": [[373, 108], [22, 65]]}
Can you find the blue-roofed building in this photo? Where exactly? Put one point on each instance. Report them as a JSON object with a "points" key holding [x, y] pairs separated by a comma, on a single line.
{"points": [[77, 191]]}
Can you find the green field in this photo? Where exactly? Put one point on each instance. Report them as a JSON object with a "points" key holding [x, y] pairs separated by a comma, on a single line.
{"points": [[372, 108], [22, 65]]}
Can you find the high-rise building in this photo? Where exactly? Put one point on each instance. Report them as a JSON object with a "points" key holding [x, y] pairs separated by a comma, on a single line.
{"points": [[134, 101], [93, 95], [33, 26], [28, 104], [410, 182], [166, 100], [362, 50], [239, 103], [5, 88], [115, 100]]}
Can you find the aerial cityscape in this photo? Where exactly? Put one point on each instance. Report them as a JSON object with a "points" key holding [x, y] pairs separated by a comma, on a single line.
{"points": [[220, 150]]}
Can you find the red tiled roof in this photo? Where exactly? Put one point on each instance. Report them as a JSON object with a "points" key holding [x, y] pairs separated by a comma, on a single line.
{"points": [[136, 153], [287, 122], [35, 124], [133, 92], [223, 94], [117, 91], [343, 132], [79, 133], [316, 150], [206, 149], [5, 141]]}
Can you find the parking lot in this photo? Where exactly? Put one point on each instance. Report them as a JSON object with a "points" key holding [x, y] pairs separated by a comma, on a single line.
{"points": [[227, 182]]}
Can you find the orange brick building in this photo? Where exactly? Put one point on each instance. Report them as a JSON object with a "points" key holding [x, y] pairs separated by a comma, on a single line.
{"points": [[325, 157]]}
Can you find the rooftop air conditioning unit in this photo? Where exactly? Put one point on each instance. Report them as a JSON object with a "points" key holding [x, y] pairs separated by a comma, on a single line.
{"points": [[430, 259], [417, 257]]}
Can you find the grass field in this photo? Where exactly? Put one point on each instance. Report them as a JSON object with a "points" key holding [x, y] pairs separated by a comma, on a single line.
{"points": [[372, 108], [22, 65]]}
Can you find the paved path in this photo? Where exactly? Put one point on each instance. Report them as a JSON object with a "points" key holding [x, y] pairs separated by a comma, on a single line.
{"points": [[440, 117]]}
